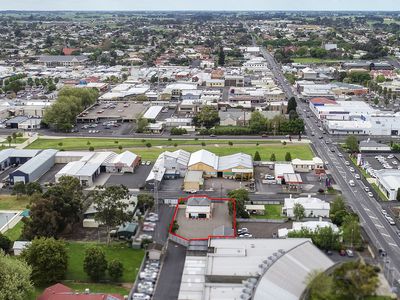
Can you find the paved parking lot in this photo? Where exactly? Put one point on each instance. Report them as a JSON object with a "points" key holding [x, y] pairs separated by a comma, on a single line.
{"points": [[264, 230], [202, 228], [376, 165], [50, 175], [222, 185], [131, 181]]}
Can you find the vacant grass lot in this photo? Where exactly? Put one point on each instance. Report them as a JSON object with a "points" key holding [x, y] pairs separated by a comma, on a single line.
{"points": [[219, 147], [296, 151], [11, 202], [313, 60], [130, 258], [272, 212], [107, 143]]}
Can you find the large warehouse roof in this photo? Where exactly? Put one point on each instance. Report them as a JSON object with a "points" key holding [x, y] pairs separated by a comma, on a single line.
{"points": [[235, 161], [204, 156], [286, 278], [153, 112], [31, 165]]}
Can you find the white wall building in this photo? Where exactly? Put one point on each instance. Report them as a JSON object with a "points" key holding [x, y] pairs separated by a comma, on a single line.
{"points": [[313, 207], [388, 182]]}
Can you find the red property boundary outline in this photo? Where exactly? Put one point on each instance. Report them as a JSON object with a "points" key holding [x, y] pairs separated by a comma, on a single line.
{"points": [[210, 236]]}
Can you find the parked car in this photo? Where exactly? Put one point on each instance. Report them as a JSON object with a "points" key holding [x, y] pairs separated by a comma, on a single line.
{"points": [[349, 253], [370, 194], [356, 176], [351, 183], [352, 169]]}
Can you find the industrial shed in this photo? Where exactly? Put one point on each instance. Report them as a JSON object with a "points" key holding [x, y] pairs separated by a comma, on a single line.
{"points": [[205, 161], [236, 166], [193, 181], [125, 162], [86, 170], [152, 113], [34, 168], [10, 157]]}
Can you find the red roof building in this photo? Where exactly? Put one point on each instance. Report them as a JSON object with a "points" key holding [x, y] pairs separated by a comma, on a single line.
{"points": [[62, 292], [69, 51], [322, 101]]}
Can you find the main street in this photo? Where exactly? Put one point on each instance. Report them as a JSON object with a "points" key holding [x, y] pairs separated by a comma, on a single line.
{"points": [[381, 233]]}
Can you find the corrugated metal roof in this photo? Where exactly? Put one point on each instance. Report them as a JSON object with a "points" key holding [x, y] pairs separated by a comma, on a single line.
{"points": [[31, 165], [204, 156], [235, 161], [153, 112]]}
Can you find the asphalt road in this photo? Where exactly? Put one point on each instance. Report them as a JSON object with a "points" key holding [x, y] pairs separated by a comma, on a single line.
{"points": [[169, 281], [380, 232]]}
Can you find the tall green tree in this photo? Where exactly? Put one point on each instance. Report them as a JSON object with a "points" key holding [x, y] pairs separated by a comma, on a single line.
{"points": [[351, 231], [241, 196], [298, 211], [288, 156], [115, 270], [320, 286], [257, 122], [15, 282], [292, 105], [53, 213], [355, 280], [95, 263], [352, 143], [207, 117], [221, 57], [145, 201], [338, 211], [257, 156], [33, 187], [112, 205], [48, 259]]}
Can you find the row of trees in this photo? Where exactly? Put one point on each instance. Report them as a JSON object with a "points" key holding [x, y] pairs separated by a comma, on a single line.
{"points": [[70, 102], [257, 156]]}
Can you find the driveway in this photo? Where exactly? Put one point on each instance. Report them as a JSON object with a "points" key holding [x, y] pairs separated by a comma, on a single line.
{"points": [[169, 282]]}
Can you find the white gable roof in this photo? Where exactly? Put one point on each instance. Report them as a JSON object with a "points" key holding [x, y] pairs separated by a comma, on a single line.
{"points": [[204, 156]]}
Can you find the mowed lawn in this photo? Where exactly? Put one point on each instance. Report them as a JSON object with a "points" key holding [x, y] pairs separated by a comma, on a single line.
{"points": [[11, 202], [302, 151], [272, 212], [311, 60], [219, 147], [107, 143], [130, 258], [15, 233]]}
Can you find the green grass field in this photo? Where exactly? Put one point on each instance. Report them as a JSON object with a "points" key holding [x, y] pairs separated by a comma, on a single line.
{"points": [[11, 202], [313, 60], [272, 212], [107, 143], [97, 288], [130, 258], [219, 147], [15, 233]]}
